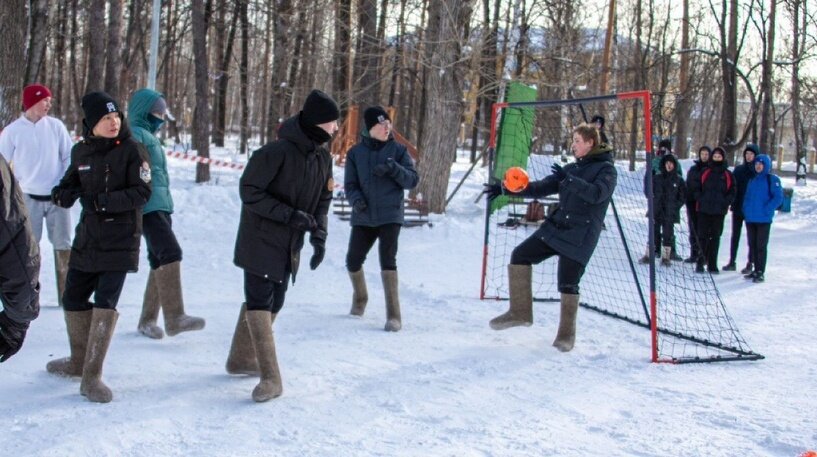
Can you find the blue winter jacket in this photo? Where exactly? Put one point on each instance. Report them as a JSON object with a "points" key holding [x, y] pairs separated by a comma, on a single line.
{"points": [[763, 194], [143, 128], [383, 195]]}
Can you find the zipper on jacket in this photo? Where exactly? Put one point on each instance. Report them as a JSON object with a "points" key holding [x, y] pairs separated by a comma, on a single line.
{"points": [[107, 173]]}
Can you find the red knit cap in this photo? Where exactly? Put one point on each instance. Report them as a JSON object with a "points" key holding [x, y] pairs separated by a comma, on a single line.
{"points": [[33, 94]]}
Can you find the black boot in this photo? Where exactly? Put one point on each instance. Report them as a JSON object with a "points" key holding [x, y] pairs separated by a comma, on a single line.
{"points": [[749, 268], [758, 277], [730, 266]]}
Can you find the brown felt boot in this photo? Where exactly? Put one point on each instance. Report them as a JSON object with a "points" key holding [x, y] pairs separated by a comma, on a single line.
{"points": [[566, 336], [393, 320], [666, 256], [78, 323], [168, 280], [150, 310], [270, 386], [360, 296], [103, 322], [520, 311], [61, 258], [242, 358]]}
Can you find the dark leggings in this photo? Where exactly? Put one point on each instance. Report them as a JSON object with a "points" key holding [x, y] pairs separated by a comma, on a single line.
{"points": [[163, 248], [737, 227], [106, 286], [262, 294], [361, 241], [710, 229], [758, 235], [533, 251]]}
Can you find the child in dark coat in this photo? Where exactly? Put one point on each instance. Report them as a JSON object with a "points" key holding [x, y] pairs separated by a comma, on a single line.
{"points": [[670, 195]]}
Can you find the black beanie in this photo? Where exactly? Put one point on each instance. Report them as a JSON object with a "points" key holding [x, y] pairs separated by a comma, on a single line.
{"points": [[597, 119], [319, 108], [96, 105], [665, 144], [375, 115]]}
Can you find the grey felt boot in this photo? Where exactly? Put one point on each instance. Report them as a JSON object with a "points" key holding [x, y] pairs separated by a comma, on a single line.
{"points": [[566, 336], [61, 259], [103, 322], [520, 311], [78, 323], [168, 280], [242, 358], [360, 296], [390, 289], [270, 386], [150, 310]]}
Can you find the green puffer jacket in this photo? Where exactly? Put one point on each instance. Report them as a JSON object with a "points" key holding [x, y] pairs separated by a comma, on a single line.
{"points": [[143, 127]]}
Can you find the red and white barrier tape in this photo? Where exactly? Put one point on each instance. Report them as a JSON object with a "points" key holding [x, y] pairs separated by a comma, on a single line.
{"points": [[216, 162]]}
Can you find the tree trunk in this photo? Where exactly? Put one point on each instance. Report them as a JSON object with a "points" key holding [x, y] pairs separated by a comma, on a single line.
{"points": [[366, 78], [443, 92], [683, 105], [96, 47], [113, 64], [37, 37], [58, 87], [798, 46], [766, 107], [729, 53], [265, 79], [12, 59], [244, 78], [343, 50], [283, 18], [223, 81], [201, 115]]}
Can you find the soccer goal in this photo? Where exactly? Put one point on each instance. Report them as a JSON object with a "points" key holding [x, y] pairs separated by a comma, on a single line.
{"points": [[682, 309]]}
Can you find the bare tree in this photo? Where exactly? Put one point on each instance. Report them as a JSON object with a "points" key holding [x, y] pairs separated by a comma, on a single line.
{"points": [[113, 63], [243, 77], [766, 106], [201, 115], [343, 49], [798, 12], [37, 38], [282, 15], [683, 104], [96, 47], [443, 93], [12, 58], [366, 78]]}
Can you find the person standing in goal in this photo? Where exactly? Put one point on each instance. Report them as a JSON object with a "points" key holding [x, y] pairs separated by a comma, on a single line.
{"points": [[585, 189]]}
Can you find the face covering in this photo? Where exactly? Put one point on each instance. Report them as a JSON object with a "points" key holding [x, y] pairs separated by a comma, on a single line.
{"points": [[155, 122]]}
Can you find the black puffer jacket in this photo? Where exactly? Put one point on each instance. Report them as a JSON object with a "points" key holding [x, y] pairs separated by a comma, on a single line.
{"points": [[693, 181], [743, 174], [383, 194], [573, 230], [670, 192], [291, 173], [111, 178], [19, 253], [715, 190]]}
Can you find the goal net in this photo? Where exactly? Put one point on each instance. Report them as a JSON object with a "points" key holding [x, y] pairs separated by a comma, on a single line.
{"points": [[683, 309]]}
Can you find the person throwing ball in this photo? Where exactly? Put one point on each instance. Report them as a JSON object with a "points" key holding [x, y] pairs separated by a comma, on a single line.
{"points": [[585, 188]]}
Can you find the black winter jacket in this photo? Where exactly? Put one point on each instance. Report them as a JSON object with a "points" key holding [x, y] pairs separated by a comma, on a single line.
{"points": [[715, 190], [743, 174], [111, 178], [693, 181], [19, 253], [573, 230], [383, 194], [669, 192], [291, 173]]}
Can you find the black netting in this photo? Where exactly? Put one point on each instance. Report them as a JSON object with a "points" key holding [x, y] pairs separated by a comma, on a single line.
{"points": [[693, 323]]}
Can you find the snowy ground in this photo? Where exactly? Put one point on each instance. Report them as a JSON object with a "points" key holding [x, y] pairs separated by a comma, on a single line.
{"points": [[445, 385]]}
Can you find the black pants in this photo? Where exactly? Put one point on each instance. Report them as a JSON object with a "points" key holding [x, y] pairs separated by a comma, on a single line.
{"points": [[737, 227], [665, 232], [106, 286], [262, 294], [710, 229], [361, 241], [758, 235], [692, 224], [533, 251], [163, 248]]}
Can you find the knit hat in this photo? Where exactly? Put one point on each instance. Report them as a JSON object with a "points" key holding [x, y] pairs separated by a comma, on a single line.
{"points": [[319, 108], [375, 115], [33, 94], [598, 119], [755, 149], [666, 143], [96, 105]]}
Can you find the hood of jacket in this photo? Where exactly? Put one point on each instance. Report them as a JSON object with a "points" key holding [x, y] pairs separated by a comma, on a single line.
{"points": [[668, 158], [767, 163], [291, 131], [140, 106]]}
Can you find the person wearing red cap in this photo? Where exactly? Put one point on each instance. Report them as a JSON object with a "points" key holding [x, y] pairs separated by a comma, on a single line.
{"points": [[38, 147]]}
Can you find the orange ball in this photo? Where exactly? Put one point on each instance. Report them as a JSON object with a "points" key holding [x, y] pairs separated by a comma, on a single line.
{"points": [[516, 179]]}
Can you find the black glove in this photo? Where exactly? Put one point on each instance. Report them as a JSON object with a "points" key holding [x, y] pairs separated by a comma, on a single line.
{"points": [[492, 191], [12, 335], [360, 206], [302, 221], [558, 172], [64, 198], [88, 201], [388, 168], [317, 256]]}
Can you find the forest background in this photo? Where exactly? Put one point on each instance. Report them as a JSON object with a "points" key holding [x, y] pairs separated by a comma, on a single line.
{"points": [[721, 72]]}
